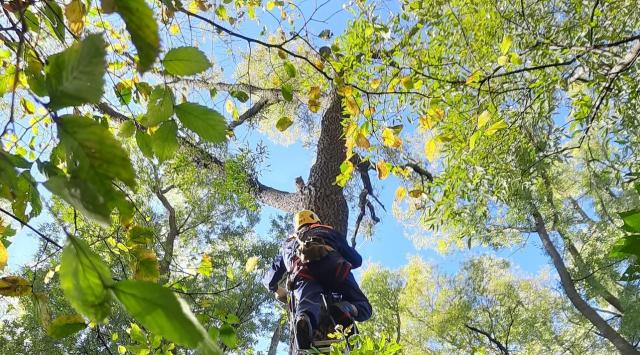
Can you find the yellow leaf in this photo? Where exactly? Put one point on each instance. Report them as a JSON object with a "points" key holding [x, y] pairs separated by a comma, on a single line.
{"points": [[362, 141], [174, 29], [415, 193], [314, 106], [407, 82], [251, 264], [431, 149], [503, 60], [369, 111], [206, 267], [271, 5], [390, 139], [383, 169], [352, 106], [442, 246], [14, 286], [375, 83], [436, 113], [473, 78], [347, 90], [426, 122], [122, 349], [75, 12], [229, 106], [496, 127], [4, 256], [473, 139], [401, 193], [483, 118], [314, 93]]}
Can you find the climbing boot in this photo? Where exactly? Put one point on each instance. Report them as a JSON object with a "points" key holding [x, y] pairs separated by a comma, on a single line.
{"points": [[304, 334]]}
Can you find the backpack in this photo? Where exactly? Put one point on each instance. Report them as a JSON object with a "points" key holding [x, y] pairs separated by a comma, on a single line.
{"points": [[315, 259]]}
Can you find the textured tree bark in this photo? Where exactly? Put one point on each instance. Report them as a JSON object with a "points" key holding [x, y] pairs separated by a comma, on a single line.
{"points": [[623, 346], [326, 198]]}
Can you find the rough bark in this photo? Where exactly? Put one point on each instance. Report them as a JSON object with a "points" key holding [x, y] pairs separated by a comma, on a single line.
{"points": [[327, 198], [623, 346]]}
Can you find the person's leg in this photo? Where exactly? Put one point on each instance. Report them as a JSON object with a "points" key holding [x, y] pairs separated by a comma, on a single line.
{"points": [[307, 302], [351, 293]]}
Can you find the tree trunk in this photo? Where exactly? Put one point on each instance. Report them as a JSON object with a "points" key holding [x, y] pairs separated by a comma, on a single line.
{"points": [[327, 198], [623, 346], [275, 339]]}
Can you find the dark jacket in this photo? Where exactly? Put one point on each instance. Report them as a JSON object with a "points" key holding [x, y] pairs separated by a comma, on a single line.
{"points": [[284, 261]]}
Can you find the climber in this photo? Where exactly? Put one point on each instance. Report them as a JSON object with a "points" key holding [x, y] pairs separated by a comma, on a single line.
{"points": [[317, 259]]}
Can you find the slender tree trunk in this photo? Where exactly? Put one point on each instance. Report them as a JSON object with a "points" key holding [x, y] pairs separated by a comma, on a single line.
{"points": [[275, 339], [172, 234], [623, 346], [582, 266]]}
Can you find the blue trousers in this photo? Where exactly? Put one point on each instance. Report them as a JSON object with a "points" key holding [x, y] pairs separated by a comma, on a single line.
{"points": [[308, 298]]}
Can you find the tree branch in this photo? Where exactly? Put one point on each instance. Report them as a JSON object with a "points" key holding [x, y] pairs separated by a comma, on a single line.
{"points": [[495, 341], [171, 235], [570, 289], [24, 223]]}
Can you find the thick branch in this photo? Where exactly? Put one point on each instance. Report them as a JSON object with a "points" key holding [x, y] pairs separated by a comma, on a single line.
{"points": [[623, 346], [286, 201]]}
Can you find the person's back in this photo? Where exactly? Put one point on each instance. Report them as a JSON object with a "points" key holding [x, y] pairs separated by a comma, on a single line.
{"points": [[317, 259]]}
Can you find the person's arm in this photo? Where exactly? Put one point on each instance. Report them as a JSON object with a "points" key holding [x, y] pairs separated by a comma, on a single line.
{"points": [[274, 274], [352, 256], [349, 253]]}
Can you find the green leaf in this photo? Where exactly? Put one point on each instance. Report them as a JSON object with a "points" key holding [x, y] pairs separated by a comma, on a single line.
{"points": [[95, 160], [185, 61], [228, 336], [65, 325], [140, 235], [290, 69], [629, 245], [142, 27], [631, 220], [127, 129], [207, 123], [7, 78], [163, 313], [75, 76], [160, 107], [55, 17], [287, 92], [495, 127], [146, 265], [240, 95], [91, 149], [283, 123], [18, 186], [143, 140], [165, 141], [506, 45], [123, 93], [14, 286], [84, 279]]}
